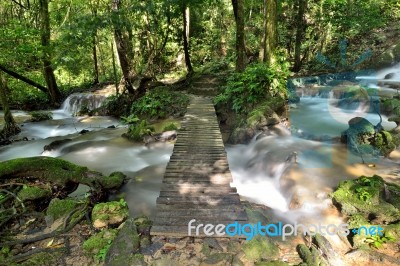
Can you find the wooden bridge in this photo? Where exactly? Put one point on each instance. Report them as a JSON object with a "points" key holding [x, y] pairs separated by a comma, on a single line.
{"points": [[197, 180]]}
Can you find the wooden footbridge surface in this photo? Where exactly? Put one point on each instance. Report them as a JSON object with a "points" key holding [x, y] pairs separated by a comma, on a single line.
{"points": [[196, 183]]}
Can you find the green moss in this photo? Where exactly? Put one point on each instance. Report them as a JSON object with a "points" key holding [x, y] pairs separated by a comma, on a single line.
{"points": [[40, 116], [48, 169], [61, 207], [170, 126], [33, 193], [100, 240], [272, 263], [365, 196], [114, 180], [260, 248], [42, 259], [110, 213]]}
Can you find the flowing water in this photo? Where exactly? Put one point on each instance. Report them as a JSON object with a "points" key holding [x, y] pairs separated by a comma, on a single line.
{"points": [[291, 170]]}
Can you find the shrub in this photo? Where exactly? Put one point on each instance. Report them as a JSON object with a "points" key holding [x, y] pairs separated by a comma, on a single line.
{"points": [[257, 83], [160, 103], [170, 126], [40, 116], [138, 130]]}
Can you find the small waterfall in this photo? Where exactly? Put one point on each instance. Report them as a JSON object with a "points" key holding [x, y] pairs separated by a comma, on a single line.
{"points": [[77, 101]]}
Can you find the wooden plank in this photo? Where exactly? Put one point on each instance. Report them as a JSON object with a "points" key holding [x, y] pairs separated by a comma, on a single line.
{"points": [[195, 193], [205, 200], [183, 221], [220, 213], [194, 207], [181, 231], [197, 188]]}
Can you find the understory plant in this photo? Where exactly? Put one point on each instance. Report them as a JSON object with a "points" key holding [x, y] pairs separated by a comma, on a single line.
{"points": [[160, 103], [258, 83]]}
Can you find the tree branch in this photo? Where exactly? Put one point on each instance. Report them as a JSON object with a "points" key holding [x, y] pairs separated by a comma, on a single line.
{"points": [[24, 79]]}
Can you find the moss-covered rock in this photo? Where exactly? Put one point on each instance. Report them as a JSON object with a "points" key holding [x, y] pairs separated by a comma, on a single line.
{"points": [[369, 196], [37, 116], [217, 259], [260, 248], [143, 224], [113, 181], [33, 193], [272, 263], [48, 169], [99, 241], [124, 246], [110, 213], [61, 207]]}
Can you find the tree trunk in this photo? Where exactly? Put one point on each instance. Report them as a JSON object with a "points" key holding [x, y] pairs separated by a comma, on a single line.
{"points": [[238, 10], [114, 69], [186, 27], [94, 50], [24, 79], [300, 31], [271, 31], [124, 49], [264, 33], [10, 127], [55, 95]]}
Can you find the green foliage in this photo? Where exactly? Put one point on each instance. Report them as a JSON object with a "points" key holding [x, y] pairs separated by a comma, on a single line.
{"points": [[138, 130], [130, 120], [117, 105], [101, 255], [38, 116], [377, 241], [256, 84], [160, 103], [170, 126]]}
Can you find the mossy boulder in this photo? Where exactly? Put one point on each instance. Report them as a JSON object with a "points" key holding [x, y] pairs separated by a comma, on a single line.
{"points": [[110, 213], [311, 256], [99, 241], [260, 248], [124, 246], [217, 259], [113, 181], [370, 197], [361, 138], [33, 193], [37, 116], [61, 207], [48, 169], [272, 263]]}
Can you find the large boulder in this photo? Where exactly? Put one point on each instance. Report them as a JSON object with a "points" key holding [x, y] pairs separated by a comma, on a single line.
{"points": [[362, 138], [111, 213]]}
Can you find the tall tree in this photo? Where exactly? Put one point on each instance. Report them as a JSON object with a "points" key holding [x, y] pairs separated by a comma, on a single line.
{"points": [[270, 30], [123, 40], [300, 32], [238, 10], [186, 27], [10, 127], [55, 95]]}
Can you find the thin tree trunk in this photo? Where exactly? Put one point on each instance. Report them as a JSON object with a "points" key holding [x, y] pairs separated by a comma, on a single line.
{"points": [[95, 61], [186, 27], [55, 95], [300, 31], [271, 31], [24, 79], [10, 127], [94, 50], [114, 69], [238, 10], [264, 33], [124, 47]]}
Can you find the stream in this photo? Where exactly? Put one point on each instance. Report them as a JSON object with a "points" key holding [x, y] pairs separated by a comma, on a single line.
{"points": [[291, 170]]}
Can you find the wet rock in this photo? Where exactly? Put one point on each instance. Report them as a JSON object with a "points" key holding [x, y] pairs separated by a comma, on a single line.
{"points": [[61, 207], [213, 243], [112, 126], [370, 258], [33, 193], [260, 248], [242, 135], [84, 131], [110, 213], [389, 76], [217, 259], [56, 144], [125, 245], [113, 181], [365, 196]]}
